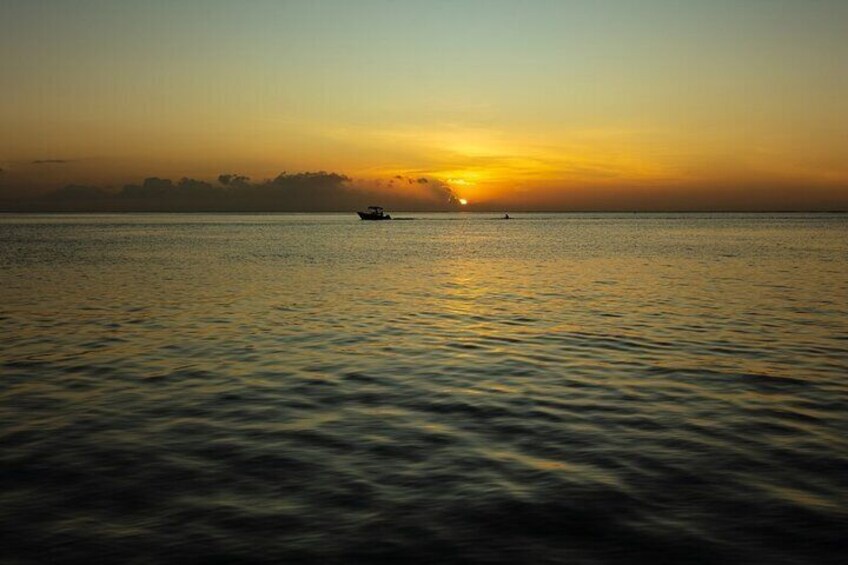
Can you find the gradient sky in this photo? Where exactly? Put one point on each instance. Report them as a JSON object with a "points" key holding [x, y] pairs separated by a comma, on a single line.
{"points": [[539, 104]]}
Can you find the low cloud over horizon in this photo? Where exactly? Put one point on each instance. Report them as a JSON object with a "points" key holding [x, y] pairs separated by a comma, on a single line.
{"points": [[287, 192], [335, 192], [43, 185]]}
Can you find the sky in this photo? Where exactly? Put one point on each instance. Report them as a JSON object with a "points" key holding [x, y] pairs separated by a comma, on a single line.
{"points": [[543, 105]]}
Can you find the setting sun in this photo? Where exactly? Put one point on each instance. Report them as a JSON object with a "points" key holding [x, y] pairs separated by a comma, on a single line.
{"points": [[463, 201]]}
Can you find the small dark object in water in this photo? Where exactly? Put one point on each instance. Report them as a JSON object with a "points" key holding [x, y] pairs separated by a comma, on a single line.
{"points": [[506, 216], [374, 213]]}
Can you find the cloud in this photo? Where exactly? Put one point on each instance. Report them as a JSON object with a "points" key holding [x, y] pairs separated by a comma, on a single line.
{"points": [[440, 190], [233, 180], [287, 192], [431, 189]]}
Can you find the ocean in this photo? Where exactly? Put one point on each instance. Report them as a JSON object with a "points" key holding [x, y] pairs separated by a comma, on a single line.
{"points": [[556, 388]]}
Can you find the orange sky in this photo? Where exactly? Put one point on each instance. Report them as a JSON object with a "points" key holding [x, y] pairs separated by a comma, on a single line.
{"points": [[546, 105]]}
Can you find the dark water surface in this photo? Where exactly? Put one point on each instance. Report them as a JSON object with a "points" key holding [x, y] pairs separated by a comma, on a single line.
{"points": [[553, 389]]}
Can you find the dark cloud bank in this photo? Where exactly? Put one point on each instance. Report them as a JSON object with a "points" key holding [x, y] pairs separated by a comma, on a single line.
{"points": [[298, 192]]}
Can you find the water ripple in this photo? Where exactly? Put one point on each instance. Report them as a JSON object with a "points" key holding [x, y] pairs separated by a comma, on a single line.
{"points": [[281, 388]]}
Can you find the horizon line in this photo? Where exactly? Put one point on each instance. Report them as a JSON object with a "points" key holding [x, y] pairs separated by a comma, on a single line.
{"points": [[401, 211]]}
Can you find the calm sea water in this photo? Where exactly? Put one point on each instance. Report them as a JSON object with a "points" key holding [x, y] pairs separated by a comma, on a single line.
{"points": [[551, 389]]}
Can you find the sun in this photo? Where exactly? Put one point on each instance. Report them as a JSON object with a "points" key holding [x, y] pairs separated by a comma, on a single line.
{"points": [[463, 201]]}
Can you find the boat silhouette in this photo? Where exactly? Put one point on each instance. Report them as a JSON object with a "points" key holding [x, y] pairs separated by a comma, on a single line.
{"points": [[374, 213]]}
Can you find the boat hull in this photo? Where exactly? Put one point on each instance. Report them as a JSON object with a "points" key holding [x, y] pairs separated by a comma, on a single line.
{"points": [[370, 216]]}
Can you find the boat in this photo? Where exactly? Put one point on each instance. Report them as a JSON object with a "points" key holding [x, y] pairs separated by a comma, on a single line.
{"points": [[374, 213]]}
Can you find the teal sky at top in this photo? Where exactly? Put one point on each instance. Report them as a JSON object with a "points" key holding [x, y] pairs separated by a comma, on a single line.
{"points": [[390, 50]]}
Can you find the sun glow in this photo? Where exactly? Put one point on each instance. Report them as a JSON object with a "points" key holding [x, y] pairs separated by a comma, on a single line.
{"points": [[463, 201]]}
